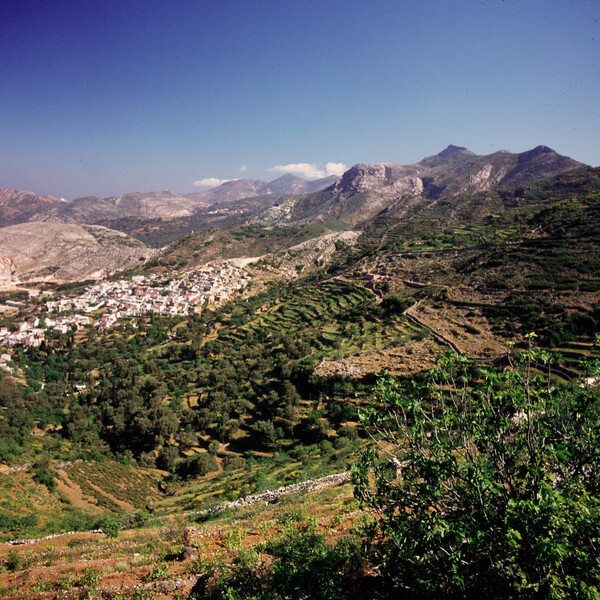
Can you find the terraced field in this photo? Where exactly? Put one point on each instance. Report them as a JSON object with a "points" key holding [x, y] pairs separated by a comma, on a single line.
{"points": [[339, 319], [83, 492], [111, 485]]}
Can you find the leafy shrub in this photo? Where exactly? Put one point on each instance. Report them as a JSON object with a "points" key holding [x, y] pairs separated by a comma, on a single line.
{"points": [[141, 519], [304, 566], [45, 476], [159, 572], [13, 524], [497, 483], [110, 525], [589, 286], [13, 561], [393, 305], [232, 463], [472, 329], [198, 465]]}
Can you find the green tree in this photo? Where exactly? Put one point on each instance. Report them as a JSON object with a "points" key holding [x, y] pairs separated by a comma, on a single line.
{"points": [[110, 525], [486, 486], [198, 465], [43, 474], [264, 432]]}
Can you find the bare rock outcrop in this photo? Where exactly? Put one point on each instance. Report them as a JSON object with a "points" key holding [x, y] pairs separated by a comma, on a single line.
{"points": [[385, 177], [8, 269]]}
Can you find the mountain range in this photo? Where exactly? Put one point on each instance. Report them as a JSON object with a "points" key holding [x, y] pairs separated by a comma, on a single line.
{"points": [[365, 194], [454, 170], [247, 188]]}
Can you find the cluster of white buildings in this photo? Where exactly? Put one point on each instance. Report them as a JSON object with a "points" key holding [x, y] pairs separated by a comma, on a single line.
{"points": [[155, 295], [34, 333], [139, 297]]}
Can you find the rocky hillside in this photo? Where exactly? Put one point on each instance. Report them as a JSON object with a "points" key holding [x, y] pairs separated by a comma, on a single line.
{"points": [[66, 252], [17, 206], [366, 189], [151, 205]]}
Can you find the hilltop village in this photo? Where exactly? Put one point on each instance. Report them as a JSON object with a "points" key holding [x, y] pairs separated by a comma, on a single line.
{"points": [[141, 296]]}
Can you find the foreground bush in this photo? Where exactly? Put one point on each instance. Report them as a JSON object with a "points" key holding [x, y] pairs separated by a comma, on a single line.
{"points": [[303, 566], [486, 486]]}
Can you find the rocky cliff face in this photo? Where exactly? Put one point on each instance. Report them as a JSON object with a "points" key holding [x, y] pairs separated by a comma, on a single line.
{"points": [[8, 269], [384, 177]]}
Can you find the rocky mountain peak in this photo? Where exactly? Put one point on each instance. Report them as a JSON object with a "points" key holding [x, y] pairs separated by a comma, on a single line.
{"points": [[452, 150], [288, 178], [361, 177], [286, 184], [536, 152]]}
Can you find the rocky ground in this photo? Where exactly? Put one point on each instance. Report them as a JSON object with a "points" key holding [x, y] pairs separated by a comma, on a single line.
{"points": [[59, 252]]}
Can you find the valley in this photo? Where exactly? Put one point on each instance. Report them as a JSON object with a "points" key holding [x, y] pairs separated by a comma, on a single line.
{"points": [[211, 347]]}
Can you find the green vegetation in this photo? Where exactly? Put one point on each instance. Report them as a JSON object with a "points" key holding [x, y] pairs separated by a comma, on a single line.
{"points": [[485, 483], [110, 525], [302, 565], [229, 393], [236, 241]]}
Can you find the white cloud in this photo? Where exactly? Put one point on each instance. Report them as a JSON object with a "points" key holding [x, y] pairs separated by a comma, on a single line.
{"points": [[211, 182], [310, 170], [243, 168], [335, 168]]}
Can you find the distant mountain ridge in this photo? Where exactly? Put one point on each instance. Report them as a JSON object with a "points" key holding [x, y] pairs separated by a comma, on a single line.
{"points": [[248, 188], [18, 206], [150, 205], [457, 170], [366, 189], [359, 194]]}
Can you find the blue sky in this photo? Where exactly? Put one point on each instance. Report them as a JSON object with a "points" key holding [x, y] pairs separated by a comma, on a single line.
{"points": [[101, 97]]}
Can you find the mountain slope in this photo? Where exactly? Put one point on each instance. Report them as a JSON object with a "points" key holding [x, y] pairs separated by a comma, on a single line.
{"points": [[467, 219], [67, 252], [17, 206], [366, 189], [249, 188], [150, 205]]}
